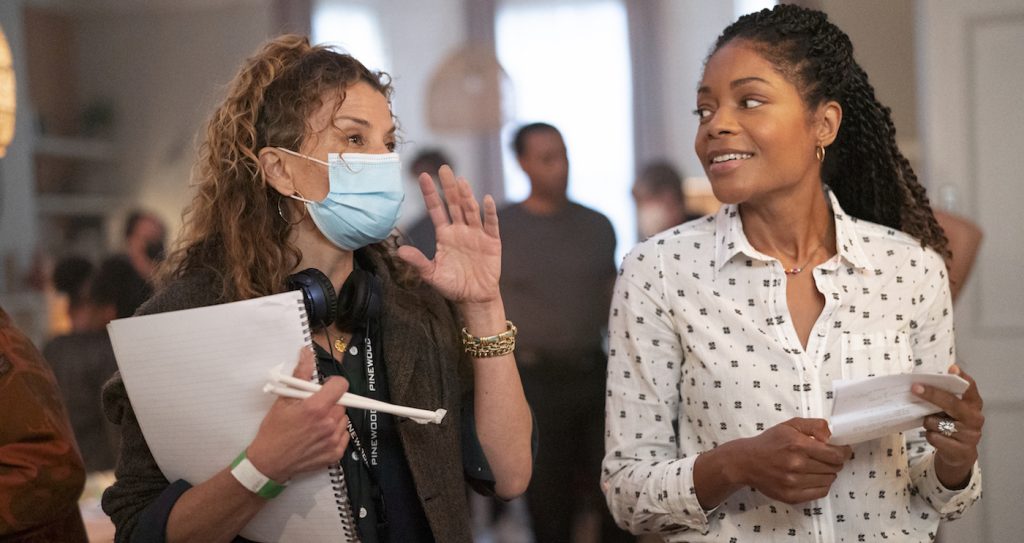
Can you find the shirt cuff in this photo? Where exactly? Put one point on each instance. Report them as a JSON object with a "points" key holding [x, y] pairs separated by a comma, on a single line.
{"points": [[682, 506], [950, 504], [152, 525]]}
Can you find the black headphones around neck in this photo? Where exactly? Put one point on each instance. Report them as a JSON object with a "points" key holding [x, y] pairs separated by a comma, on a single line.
{"points": [[358, 301]]}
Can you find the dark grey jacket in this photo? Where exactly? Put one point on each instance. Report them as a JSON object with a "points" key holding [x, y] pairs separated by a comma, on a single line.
{"points": [[425, 366]]}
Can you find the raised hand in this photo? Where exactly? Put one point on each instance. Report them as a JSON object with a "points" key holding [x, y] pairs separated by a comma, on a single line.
{"points": [[956, 441], [302, 435], [467, 264]]}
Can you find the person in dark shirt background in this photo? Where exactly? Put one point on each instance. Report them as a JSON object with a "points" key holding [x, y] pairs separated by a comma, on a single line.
{"points": [[558, 268], [421, 234], [83, 360]]}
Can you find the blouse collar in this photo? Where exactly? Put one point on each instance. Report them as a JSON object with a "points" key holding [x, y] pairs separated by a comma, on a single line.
{"points": [[730, 239]]}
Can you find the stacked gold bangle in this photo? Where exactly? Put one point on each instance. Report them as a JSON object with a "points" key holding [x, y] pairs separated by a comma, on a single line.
{"points": [[490, 346]]}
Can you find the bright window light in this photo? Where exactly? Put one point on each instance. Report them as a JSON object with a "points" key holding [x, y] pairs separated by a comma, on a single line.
{"points": [[353, 27], [743, 7], [569, 65]]}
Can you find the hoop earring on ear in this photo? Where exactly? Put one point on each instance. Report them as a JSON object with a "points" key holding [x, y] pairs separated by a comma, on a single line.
{"points": [[819, 152], [281, 213]]}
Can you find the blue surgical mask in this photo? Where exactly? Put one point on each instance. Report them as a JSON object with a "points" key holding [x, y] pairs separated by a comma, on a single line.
{"points": [[364, 201]]}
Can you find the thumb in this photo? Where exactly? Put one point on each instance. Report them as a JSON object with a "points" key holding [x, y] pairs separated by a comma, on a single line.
{"points": [[304, 367], [415, 258], [816, 428]]}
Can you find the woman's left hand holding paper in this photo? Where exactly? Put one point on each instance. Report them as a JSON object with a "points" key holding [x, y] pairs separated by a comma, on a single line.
{"points": [[956, 448]]}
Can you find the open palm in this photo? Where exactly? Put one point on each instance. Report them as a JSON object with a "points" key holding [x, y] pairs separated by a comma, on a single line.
{"points": [[467, 264]]}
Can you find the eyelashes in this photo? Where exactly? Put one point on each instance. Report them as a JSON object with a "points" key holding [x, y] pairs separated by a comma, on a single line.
{"points": [[705, 113]]}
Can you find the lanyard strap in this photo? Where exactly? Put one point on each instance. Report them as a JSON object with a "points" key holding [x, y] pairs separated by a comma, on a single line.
{"points": [[370, 380], [370, 377]]}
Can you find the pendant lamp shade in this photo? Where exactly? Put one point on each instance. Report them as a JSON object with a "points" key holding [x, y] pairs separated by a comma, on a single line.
{"points": [[7, 95], [469, 92]]}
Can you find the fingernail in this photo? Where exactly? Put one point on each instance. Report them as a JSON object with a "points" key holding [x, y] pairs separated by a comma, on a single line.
{"points": [[954, 369], [917, 389]]}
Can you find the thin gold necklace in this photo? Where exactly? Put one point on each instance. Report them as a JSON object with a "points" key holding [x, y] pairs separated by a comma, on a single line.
{"points": [[794, 271], [340, 344]]}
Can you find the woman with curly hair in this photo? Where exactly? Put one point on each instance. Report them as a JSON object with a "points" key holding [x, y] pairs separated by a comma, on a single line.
{"points": [[726, 333], [298, 182]]}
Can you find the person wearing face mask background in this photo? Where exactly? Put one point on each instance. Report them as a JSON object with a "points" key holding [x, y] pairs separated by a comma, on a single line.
{"points": [[298, 178], [144, 238], [660, 201]]}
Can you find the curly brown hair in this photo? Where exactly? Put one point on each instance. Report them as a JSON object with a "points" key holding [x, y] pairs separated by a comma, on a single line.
{"points": [[864, 167], [233, 227]]}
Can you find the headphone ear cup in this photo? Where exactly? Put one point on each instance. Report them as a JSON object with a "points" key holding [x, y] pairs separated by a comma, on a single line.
{"points": [[359, 299], [317, 294]]}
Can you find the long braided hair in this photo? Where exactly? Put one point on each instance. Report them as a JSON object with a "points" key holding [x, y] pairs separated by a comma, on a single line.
{"points": [[863, 167]]}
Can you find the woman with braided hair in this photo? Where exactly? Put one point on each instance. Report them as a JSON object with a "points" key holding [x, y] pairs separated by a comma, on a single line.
{"points": [[726, 333], [298, 184]]}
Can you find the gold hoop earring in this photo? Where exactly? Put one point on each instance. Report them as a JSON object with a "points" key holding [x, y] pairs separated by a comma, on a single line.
{"points": [[281, 213], [819, 152]]}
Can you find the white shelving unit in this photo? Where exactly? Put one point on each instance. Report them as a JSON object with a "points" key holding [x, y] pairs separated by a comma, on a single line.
{"points": [[75, 148], [62, 194]]}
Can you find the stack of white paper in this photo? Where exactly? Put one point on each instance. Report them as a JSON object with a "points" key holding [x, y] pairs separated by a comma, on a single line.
{"points": [[873, 407], [195, 380]]}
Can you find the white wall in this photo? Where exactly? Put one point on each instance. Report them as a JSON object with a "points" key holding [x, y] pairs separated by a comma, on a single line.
{"points": [[882, 32], [165, 70], [971, 119]]}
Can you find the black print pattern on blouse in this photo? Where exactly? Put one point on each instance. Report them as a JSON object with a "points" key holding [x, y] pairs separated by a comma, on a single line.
{"points": [[702, 351]]}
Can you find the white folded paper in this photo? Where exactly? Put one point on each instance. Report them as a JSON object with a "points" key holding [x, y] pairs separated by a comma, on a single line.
{"points": [[873, 407]]}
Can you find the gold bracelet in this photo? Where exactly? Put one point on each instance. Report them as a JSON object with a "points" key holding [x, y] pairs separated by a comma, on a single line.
{"points": [[490, 346]]}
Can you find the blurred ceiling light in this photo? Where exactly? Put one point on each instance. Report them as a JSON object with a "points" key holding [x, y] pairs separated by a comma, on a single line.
{"points": [[7, 97], [469, 92]]}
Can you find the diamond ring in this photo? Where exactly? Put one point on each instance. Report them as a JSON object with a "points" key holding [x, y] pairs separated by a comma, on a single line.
{"points": [[947, 427]]}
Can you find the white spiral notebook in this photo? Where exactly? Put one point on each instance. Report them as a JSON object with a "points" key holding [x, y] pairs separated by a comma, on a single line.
{"points": [[195, 380]]}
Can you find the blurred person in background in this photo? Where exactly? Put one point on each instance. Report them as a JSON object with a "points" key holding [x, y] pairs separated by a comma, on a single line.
{"points": [[71, 277], [144, 246], [41, 472], [660, 201], [145, 237], [421, 232], [964, 241], [83, 361], [558, 268]]}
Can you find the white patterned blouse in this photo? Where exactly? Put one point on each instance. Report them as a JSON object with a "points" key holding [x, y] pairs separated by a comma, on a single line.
{"points": [[702, 351]]}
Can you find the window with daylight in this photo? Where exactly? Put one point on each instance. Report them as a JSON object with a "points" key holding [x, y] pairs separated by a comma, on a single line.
{"points": [[743, 7], [569, 64], [354, 27]]}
